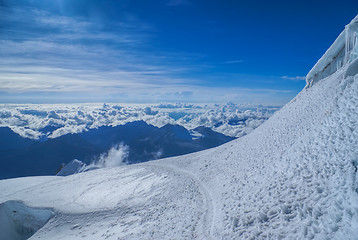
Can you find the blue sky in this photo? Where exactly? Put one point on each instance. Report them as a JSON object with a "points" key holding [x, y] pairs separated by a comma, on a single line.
{"points": [[258, 52]]}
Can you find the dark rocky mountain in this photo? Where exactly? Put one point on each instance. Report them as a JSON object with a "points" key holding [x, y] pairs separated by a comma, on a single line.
{"points": [[44, 158], [11, 141], [25, 157]]}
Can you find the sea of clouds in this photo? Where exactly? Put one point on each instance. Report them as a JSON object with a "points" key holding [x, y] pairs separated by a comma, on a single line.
{"points": [[43, 121]]}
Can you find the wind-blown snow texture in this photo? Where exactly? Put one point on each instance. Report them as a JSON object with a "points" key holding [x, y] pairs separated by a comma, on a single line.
{"points": [[294, 177]]}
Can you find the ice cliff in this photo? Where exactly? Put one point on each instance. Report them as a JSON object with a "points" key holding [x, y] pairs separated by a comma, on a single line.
{"points": [[342, 52]]}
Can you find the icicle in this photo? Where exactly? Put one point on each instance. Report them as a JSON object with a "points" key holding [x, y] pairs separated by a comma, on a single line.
{"points": [[347, 45], [351, 51]]}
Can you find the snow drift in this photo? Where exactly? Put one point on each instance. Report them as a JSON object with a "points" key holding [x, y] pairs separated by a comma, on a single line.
{"points": [[294, 177]]}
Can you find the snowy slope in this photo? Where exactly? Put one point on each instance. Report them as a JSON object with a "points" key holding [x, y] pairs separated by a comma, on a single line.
{"points": [[294, 177]]}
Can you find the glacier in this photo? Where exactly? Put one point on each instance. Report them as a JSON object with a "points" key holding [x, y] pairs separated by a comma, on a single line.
{"points": [[293, 177]]}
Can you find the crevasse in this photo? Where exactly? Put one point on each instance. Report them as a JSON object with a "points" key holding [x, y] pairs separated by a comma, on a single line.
{"points": [[343, 51]]}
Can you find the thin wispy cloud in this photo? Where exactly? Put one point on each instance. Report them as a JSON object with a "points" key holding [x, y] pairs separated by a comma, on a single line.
{"points": [[234, 61], [174, 3], [297, 78], [64, 60], [75, 58]]}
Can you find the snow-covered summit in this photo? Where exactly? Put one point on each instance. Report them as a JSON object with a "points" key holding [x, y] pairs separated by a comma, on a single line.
{"points": [[342, 52], [294, 177]]}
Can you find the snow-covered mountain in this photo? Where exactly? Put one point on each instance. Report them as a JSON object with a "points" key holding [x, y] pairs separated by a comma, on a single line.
{"points": [[294, 177]]}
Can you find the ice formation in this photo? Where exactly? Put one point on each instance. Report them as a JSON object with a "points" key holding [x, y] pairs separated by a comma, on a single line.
{"points": [[19, 222], [342, 52]]}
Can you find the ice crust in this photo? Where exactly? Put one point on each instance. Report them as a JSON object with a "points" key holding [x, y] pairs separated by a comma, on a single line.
{"points": [[294, 177]]}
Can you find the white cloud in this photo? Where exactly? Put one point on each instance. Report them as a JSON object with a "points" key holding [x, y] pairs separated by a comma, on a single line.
{"points": [[116, 156], [234, 61], [29, 120], [297, 78], [26, 132]]}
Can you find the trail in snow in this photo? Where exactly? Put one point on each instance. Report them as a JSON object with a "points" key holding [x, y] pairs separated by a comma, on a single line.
{"points": [[206, 221]]}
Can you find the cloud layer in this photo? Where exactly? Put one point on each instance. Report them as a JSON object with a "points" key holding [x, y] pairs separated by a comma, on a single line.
{"points": [[54, 120]]}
